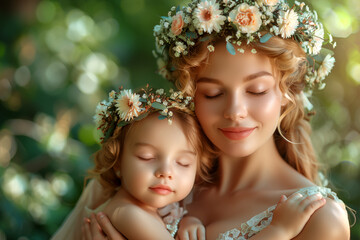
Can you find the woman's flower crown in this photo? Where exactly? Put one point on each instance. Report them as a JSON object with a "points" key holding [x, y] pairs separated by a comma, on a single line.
{"points": [[125, 107], [244, 21]]}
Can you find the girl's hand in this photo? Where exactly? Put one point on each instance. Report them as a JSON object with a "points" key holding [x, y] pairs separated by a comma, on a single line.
{"points": [[190, 228], [291, 215], [99, 227]]}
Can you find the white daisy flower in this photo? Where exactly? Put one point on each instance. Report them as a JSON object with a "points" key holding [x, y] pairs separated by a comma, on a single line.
{"points": [[128, 105], [288, 23], [180, 47], [207, 16], [100, 112], [269, 2], [211, 48], [112, 95], [317, 41], [159, 91], [246, 18], [326, 66]]}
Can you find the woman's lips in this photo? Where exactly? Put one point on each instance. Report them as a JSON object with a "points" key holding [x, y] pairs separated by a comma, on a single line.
{"points": [[161, 189], [236, 133]]}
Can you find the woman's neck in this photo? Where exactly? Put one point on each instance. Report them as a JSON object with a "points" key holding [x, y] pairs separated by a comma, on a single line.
{"points": [[255, 171]]}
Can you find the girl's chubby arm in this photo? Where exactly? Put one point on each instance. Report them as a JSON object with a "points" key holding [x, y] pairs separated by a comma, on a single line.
{"points": [[290, 216], [190, 228], [136, 224]]}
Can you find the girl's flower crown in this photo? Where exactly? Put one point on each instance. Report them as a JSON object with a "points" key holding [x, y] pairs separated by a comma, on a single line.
{"points": [[240, 21], [124, 107]]}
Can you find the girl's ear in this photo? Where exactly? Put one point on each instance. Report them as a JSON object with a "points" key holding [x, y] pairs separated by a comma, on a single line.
{"points": [[118, 173]]}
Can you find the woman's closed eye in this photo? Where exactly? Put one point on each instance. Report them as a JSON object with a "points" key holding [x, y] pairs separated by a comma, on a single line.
{"points": [[211, 96], [258, 93]]}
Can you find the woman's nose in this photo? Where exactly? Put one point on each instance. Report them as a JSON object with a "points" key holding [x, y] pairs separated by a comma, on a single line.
{"points": [[235, 108], [164, 171]]}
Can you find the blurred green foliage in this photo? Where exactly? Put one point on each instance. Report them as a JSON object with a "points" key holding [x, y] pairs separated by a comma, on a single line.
{"points": [[59, 58]]}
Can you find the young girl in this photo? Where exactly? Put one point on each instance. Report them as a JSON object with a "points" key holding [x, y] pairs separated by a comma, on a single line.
{"points": [[146, 163], [251, 65]]}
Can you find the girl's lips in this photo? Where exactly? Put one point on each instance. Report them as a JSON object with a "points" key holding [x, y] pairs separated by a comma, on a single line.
{"points": [[236, 133], [161, 189]]}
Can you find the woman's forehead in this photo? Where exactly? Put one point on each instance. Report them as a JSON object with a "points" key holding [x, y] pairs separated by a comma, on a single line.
{"points": [[221, 64]]}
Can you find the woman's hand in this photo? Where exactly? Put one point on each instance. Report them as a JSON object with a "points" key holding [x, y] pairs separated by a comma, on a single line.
{"points": [[99, 227]]}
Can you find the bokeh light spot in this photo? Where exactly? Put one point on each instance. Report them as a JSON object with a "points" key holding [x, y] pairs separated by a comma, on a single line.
{"points": [[96, 63], [132, 6], [22, 76], [14, 184], [55, 76], [46, 11], [8, 147], [88, 83], [79, 26], [355, 72], [339, 22], [86, 134], [61, 183], [5, 89]]}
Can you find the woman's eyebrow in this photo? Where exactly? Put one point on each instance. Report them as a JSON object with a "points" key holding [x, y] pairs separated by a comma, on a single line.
{"points": [[208, 80], [257, 75]]}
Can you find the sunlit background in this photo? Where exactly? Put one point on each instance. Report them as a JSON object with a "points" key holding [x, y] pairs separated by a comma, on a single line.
{"points": [[59, 58]]}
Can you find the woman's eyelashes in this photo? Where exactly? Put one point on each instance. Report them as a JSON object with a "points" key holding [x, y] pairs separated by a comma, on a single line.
{"points": [[257, 93], [213, 95]]}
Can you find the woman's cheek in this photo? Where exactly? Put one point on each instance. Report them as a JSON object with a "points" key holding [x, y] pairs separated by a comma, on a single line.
{"points": [[266, 105]]}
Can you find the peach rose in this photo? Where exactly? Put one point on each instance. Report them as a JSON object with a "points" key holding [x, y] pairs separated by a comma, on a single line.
{"points": [[247, 18], [177, 24]]}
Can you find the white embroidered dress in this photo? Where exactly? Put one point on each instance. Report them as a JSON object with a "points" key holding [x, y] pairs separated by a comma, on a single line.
{"points": [[93, 198], [262, 220]]}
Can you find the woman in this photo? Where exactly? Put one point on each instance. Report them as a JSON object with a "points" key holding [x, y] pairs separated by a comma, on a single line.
{"points": [[250, 66]]}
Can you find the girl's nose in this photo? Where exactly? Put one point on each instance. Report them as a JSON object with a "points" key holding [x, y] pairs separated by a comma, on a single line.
{"points": [[164, 171], [235, 108]]}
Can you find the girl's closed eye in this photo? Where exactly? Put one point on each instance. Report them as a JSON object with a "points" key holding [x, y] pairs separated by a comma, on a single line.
{"points": [[185, 161], [145, 157]]}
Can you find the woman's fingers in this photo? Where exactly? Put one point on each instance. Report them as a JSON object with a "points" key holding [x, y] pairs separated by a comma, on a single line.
{"points": [[193, 234], [108, 228], [184, 235], [201, 233], [85, 230], [96, 232]]}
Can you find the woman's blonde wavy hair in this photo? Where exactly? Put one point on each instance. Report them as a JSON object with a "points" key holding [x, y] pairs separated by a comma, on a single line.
{"points": [[107, 159], [292, 136]]}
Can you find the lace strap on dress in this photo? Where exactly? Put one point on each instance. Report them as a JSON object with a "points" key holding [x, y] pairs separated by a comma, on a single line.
{"points": [[172, 215], [324, 191]]}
